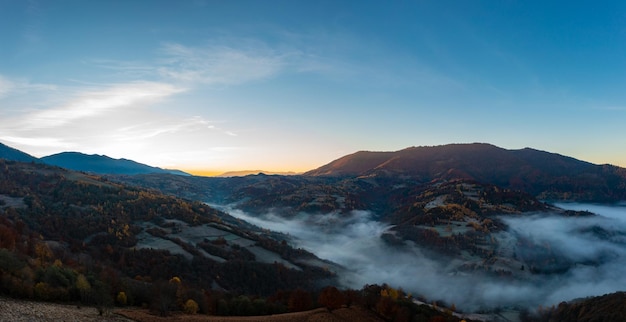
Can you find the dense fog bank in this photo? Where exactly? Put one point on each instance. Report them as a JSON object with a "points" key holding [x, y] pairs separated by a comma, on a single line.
{"points": [[590, 256]]}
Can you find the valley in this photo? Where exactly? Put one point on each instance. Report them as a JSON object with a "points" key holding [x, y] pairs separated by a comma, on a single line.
{"points": [[461, 237]]}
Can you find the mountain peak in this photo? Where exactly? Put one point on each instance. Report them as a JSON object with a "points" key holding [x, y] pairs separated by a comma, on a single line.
{"points": [[526, 169], [403, 161]]}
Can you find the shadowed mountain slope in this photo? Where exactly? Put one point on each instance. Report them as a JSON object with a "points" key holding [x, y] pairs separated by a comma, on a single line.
{"points": [[608, 307], [9, 153], [98, 164], [543, 174], [475, 161], [102, 164]]}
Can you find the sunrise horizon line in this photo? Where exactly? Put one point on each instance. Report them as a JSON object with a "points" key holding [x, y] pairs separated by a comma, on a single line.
{"points": [[211, 171]]}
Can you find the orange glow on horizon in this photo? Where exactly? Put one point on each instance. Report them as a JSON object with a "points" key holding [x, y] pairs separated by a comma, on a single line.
{"points": [[284, 169], [214, 173], [203, 173]]}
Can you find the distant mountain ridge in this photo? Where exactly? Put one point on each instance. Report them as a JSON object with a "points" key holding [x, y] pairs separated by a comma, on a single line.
{"points": [[98, 164], [543, 174], [244, 173], [474, 159], [102, 164]]}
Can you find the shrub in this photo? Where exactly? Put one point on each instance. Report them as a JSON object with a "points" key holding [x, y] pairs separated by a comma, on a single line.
{"points": [[121, 299], [42, 291], [190, 307]]}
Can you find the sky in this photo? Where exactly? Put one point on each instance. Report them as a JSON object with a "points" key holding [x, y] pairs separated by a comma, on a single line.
{"points": [[212, 86]]}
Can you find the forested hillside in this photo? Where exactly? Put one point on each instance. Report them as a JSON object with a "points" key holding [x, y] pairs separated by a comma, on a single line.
{"points": [[71, 236]]}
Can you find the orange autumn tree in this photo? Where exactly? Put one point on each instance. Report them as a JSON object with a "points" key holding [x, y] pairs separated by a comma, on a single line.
{"points": [[331, 298]]}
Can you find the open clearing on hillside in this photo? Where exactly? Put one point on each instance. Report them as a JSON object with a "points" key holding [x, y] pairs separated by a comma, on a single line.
{"points": [[8, 201], [196, 234]]}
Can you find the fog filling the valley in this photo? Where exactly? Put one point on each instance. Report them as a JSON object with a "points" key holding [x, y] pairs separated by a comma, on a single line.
{"points": [[595, 245]]}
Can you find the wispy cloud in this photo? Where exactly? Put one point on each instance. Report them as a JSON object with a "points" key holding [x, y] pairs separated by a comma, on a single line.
{"points": [[38, 142], [10, 87], [227, 62], [120, 120], [5, 86], [221, 65], [126, 69], [611, 108], [30, 28], [94, 103], [231, 61], [86, 118], [162, 126]]}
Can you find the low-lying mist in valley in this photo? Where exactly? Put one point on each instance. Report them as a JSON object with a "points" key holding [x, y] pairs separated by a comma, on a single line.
{"points": [[573, 257], [594, 246]]}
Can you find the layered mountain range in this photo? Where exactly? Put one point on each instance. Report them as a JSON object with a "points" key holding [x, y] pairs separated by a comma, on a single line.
{"points": [[542, 174], [92, 163], [368, 179]]}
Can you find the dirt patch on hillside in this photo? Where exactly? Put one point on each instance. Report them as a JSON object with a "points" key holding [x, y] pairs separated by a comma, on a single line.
{"points": [[15, 310], [317, 315], [12, 310]]}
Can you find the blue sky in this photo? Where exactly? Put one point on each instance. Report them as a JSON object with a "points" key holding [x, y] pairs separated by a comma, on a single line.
{"points": [[292, 85]]}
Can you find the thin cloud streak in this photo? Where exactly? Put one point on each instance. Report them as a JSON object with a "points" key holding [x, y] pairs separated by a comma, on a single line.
{"points": [[220, 65], [95, 103], [225, 63], [9, 87], [5, 87], [159, 127], [125, 69], [611, 108], [38, 142]]}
